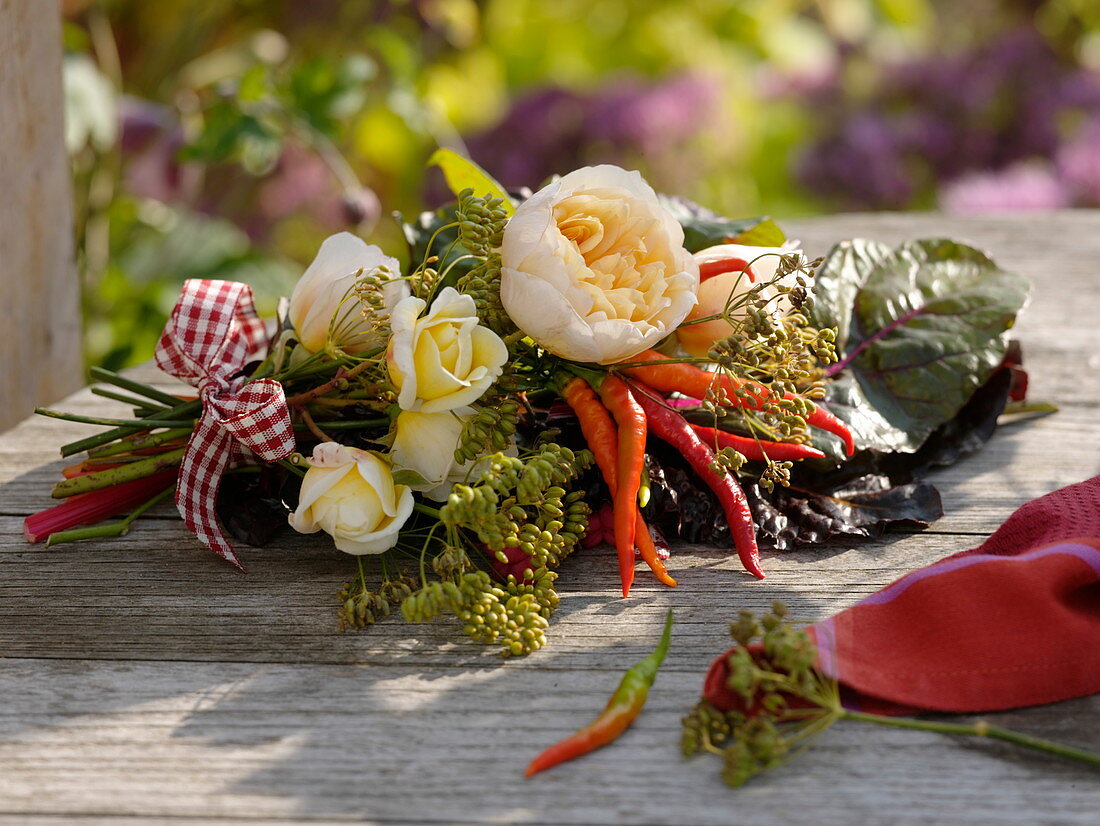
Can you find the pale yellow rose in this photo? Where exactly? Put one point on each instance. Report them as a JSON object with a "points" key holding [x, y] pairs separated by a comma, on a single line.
{"points": [[425, 443], [444, 359], [350, 495], [743, 267], [323, 303], [594, 268]]}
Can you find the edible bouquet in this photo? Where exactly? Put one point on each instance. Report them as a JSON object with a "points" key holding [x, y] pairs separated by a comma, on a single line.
{"points": [[591, 362]]}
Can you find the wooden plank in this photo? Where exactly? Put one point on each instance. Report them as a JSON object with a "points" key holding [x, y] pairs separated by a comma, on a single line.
{"points": [[390, 744], [145, 679], [40, 346]]}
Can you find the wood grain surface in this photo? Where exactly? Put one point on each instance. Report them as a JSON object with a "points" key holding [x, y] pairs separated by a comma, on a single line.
{"points": [[145, 680]]}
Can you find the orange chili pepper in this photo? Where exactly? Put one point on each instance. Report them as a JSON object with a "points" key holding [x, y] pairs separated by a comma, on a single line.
{"points": [[678, 377], [602, 437], [623, 707], [631, 422]]}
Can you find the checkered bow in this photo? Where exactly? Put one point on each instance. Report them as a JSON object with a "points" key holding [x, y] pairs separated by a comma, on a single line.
{"points": [[213, 333]]}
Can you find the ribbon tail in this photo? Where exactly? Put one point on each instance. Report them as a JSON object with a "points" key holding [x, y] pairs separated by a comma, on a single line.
{"points": [[207, 456]]}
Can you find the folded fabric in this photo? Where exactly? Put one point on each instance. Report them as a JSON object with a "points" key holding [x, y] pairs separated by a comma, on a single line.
{"points": [[1013, 622]]}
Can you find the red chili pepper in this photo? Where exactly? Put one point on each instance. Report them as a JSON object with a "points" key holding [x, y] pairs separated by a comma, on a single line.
{"points": [[631, 421], [713, 268], [623, 707], [678, 377], [602, 437], [670, 426], [758, 449]]}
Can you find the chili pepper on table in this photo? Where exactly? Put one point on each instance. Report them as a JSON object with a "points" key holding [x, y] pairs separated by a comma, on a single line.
{"points": [[677, 377], [622, 709], [600, 433], [670, 426], [631, 422], [758, 449]]}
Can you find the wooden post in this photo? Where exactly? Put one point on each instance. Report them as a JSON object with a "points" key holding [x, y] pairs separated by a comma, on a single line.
{"points": [[40, 349]]}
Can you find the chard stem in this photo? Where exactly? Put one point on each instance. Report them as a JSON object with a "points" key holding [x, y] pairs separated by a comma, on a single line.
{"points": [[113, 476], [979, 729]]}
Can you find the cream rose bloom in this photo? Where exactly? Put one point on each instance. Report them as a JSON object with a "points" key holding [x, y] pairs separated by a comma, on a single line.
{"points": [[350, 495], [321, 300], [594, 268], [747, 266], [442, 360]]}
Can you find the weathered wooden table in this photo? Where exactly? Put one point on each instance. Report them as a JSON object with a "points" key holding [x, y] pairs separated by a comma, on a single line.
{"points": [[143, 678]]}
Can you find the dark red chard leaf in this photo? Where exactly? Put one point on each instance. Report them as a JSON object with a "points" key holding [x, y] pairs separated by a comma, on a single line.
{"points": [[920, 329], [788, 517]]}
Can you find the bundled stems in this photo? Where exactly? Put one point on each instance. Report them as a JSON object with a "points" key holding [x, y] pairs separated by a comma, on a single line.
{"points": [[119, 528], [110, 377], [180, 413], [134, 444], [115, 475]]}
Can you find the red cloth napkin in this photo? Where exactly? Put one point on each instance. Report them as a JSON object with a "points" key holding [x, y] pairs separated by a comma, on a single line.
{"points": [[1014, 622]]}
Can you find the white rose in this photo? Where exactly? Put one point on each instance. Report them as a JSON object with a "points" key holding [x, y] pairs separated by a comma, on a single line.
{"points": [[350, 495], [594, 268], [323, 301], [445, 359], [735, 278]]}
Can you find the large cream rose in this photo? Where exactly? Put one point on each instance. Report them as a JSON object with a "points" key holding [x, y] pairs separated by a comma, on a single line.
{"points": [[350, 495], [594, 268], [442, 360], [322, 307], [741, 267]]}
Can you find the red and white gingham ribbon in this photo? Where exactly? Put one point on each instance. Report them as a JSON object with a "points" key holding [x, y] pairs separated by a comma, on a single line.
{"points": [[213, 333]]}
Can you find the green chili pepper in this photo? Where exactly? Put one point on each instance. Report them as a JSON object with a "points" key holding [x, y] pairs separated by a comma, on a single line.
{"points": [[625, 704]]}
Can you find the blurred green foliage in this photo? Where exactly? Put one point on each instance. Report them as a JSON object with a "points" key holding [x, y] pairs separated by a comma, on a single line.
{"points": [[225, 140]]}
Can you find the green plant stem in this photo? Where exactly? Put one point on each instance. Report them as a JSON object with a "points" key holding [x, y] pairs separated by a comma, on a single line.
{"points": [[148, 424], [342, 375], [180, 411], [426, 510], [110, 377], [979, 729], [142, 404], [113, 476], [120, 528], [139, 442], [345, 424], [293, 468]]}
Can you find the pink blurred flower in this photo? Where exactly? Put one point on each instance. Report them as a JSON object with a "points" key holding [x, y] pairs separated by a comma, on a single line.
{"points": [[1025, 186]]}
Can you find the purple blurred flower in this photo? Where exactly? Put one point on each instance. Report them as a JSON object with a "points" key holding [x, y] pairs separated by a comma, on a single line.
{"points": [[554, 130], [943, 117], [862, 165], [151, 138], [1028, 185]]}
